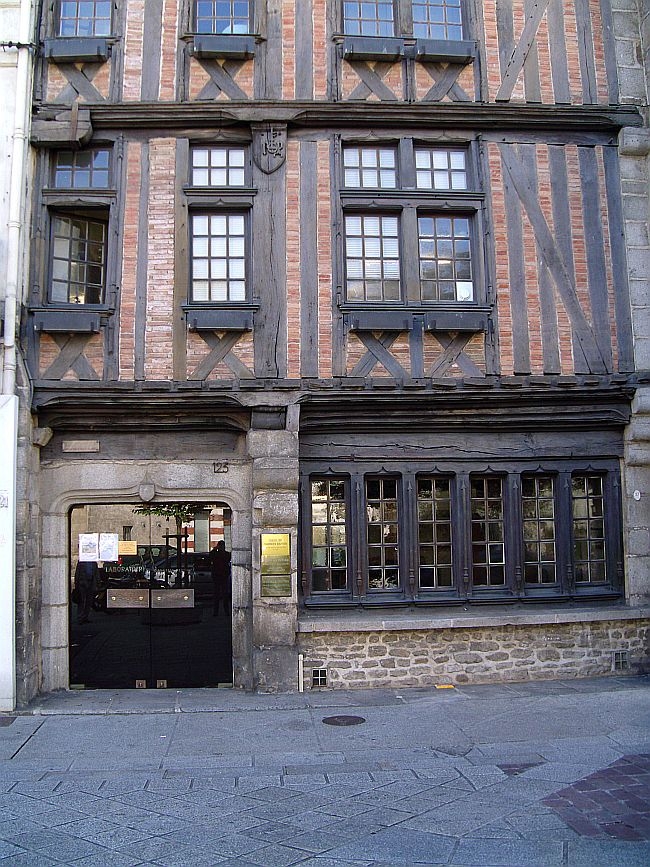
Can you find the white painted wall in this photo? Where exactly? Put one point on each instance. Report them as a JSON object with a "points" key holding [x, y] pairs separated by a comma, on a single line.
{"points": [[16, 64]]}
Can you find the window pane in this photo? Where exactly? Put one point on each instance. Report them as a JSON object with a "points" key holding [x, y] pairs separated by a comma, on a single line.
{"points": [[437, 19], [219, 255], [487, 514], [85, 18], [369, 18], [538, 507], [222, 16], [218, 167], [328, 517], [82, 169], [78, 260], [445, 263], [378, 167], [372, 257], [434, 531], [438, 169], [588, 529], [381, 527]]}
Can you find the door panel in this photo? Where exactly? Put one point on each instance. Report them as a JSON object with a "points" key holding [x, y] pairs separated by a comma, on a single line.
{"points": [[153, 624]]}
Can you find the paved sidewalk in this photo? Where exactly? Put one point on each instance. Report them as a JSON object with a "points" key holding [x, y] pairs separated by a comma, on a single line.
{"points": [[518, 775]]}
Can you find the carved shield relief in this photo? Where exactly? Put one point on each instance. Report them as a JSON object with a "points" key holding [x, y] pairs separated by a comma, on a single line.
{"points": [[269, 147]]}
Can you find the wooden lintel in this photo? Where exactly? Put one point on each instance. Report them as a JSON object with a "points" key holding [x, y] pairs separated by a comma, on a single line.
{"points": [[457, 115]]}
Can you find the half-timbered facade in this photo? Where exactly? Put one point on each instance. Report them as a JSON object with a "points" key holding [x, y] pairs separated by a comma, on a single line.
{"points": [[359, 273]]}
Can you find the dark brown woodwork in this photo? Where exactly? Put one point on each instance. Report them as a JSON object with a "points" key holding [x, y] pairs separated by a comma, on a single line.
{"points": [[372, 80], [220, 351], [445, 83], [71, 357], [165, 117], [222, 79], [79, 83]]}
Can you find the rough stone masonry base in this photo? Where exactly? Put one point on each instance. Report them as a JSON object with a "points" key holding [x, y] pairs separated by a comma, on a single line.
{"points": [[362, 656]]}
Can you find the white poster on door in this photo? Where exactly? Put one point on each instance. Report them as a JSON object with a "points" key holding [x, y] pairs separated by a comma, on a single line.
{"points": [[108, 547], [88, 547]]}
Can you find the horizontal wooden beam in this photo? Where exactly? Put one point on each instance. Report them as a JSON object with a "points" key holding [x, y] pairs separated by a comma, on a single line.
{"points": [[188, 116]]}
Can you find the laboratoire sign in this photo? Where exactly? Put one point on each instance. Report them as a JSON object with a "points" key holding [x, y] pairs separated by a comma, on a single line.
{"points": [[276, 564]]}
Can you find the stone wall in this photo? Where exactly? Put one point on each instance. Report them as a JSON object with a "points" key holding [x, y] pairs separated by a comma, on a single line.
{"points": [[631, 27], [423, 657], [28, 553]]}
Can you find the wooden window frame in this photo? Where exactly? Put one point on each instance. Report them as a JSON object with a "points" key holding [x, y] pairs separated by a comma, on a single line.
{"points": [[234, 199], [246, 235], [85, 203], [214, 18], [332, 592], [76, 170], [403, 42], [515, 588], [100, 218], [94, 19], [408, 203]]}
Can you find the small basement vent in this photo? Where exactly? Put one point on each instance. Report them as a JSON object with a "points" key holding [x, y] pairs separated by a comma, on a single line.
{"points": [[620, 661], [319, 677]]}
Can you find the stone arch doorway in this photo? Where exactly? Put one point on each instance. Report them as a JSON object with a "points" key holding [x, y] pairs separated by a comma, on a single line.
{"points": [[152, 614]]}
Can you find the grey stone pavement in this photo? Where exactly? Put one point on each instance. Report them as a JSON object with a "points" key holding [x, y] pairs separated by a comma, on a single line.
{"points": [[513, 775]]}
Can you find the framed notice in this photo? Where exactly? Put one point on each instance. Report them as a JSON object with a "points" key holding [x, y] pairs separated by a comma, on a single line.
{"points": [[276, 564]]}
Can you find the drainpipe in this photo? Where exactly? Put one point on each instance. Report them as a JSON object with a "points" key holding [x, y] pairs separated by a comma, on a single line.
{"points": [[23, 47]]}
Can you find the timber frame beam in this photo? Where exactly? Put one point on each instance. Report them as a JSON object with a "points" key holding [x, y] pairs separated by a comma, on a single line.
{"points": [[576, 118]]}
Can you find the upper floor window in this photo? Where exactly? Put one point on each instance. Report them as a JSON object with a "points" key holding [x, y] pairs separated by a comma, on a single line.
{"points": [[218, 257], [78, 259], [85, 18], [372, 257], [219, 234], [87, 169], [415, 244], [422, 19], [218, 167], [222, 16], [370, 167], [369, 18], [441, 169], [437, 19]]}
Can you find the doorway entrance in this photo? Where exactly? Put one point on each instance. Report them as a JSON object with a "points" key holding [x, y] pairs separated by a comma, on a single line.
{"points": [[149, 604]]}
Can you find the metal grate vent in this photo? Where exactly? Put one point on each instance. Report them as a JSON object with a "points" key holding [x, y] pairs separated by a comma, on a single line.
{"points": [[319, 677], [620, 660]]}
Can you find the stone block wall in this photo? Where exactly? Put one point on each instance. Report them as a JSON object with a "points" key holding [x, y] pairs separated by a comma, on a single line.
{"points": [[493, 654], [28, 554]]}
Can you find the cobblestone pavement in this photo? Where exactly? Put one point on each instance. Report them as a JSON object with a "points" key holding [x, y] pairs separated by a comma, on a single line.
{"points": [[518, 775]]}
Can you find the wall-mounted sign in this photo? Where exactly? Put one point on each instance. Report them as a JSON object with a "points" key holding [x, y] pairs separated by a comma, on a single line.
{"points": [[276, 564], [127, 548]]}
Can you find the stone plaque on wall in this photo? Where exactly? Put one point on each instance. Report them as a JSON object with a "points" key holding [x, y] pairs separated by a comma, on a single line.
{"points": [[276, 564]]}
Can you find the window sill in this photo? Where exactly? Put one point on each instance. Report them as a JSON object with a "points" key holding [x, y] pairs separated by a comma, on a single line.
{"points": [[372, 48], [237, 47], [400, 318], [66, 49], [355, 620], [222, 318], [446, 50], [394, 48], [67, 320]]}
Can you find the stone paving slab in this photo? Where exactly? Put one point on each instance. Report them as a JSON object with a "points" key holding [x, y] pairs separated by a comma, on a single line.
{"points": [[467, 777]]}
